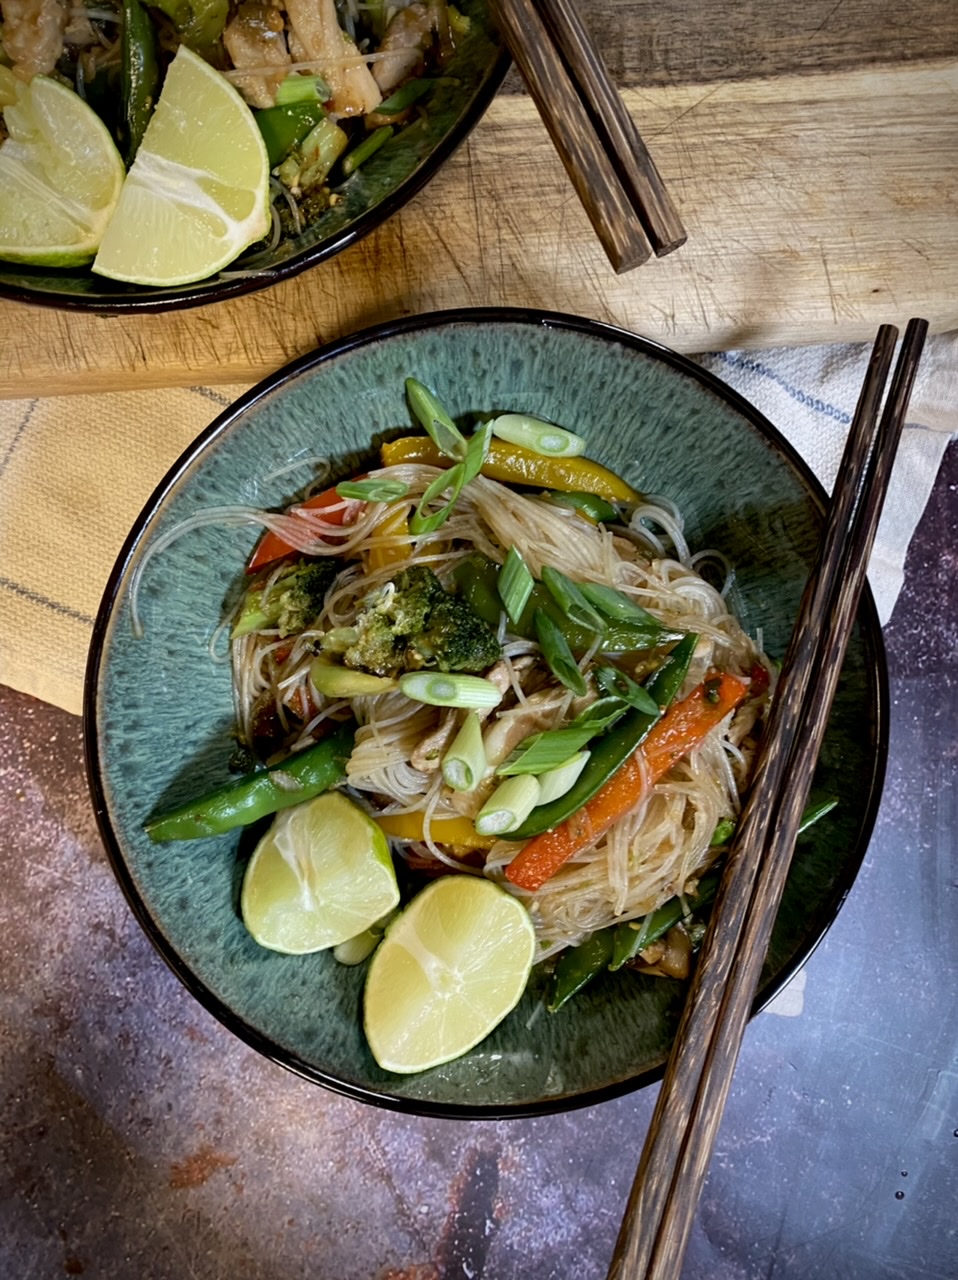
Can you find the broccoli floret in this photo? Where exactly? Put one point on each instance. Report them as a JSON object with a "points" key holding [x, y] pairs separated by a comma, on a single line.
{"points": [[293, 601], [413, 622], [455, 639]]}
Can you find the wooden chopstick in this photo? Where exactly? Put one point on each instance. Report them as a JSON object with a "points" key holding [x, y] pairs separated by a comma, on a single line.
{"points": [[612, 123], [610, 169], [662, 1204]]}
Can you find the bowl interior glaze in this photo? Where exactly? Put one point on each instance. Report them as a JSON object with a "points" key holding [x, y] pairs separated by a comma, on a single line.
{"points": [[158, 710], [376, 191]]}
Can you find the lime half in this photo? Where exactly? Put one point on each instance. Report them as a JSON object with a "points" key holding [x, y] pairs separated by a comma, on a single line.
{"points": [[60, 177], [198, 192], [447, 972], [320, 875]]}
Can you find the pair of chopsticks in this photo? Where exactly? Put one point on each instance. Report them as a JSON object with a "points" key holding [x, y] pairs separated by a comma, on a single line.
{"points": [[603, 153], [662, 1204]]}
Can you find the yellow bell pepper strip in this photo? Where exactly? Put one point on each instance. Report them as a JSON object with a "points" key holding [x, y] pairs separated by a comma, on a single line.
{"points": [[458, 832], [394, 524], [514, 465]]}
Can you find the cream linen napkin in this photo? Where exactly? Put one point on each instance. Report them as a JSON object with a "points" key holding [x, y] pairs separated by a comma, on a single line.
{"points": [[75, 472]]}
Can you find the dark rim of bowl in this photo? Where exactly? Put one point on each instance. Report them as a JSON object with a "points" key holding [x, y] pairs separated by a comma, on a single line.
{"points": [[875, 663], [200, 294]]}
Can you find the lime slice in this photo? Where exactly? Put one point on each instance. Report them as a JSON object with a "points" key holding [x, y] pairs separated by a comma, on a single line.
{"points": [[320, 875], [447, 972], [198, 192], [60, 177]]}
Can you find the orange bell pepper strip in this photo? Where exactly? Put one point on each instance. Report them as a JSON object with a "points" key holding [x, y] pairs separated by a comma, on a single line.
{"points": [[512, 464], [395, 524], [272, 546], [684, 726]]}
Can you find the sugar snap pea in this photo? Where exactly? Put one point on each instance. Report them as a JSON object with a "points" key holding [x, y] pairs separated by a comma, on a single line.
{"points": [[258, 794]]}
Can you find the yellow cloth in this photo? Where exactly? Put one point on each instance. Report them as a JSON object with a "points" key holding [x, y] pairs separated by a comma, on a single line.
{"points": [[74, 474]]}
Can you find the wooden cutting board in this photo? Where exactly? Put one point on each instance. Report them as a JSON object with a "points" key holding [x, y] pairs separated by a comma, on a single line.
{"points": [[813, 156]]}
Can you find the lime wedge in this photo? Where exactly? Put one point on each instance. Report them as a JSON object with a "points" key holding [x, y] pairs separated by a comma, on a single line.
{"points": [[447, 972], [320, 875], [198, 192], [60, 177]]}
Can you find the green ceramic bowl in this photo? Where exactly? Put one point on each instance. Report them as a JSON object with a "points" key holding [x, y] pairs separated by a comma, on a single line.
{"points": [[387, 182], [158, 710]]}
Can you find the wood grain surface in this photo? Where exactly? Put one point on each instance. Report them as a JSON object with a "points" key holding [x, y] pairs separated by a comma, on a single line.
{"points": [[818, 206]]}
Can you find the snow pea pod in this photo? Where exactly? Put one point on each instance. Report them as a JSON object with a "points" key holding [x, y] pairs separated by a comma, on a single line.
{"points": [[579, 965], [140, 75], [285, 127], [613, 748], [256, 795]]}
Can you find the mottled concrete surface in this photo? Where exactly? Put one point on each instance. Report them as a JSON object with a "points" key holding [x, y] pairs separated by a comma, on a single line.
{"points": [[139, 1139]]}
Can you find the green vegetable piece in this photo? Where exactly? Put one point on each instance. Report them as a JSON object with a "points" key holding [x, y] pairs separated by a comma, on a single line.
{"points": [[618, 684], [578, 966], [293, 601], [140, 76], [589, 505], [464, 764], [435, 421], [571, 600], [367, 148], [258, 794], [616, 604], [556, 782], [723, 833], [510, 803], [515, 584], [297, 88], [404, 97], [198, 22], [285, 126], [540, 437], [466, 692], [375, 490], [556, 651], [629, 939], [611, 750], [307, 166]]}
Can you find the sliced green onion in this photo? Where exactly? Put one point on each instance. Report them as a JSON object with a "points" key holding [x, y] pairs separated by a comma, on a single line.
{"points": [[355, 950], [440, 690], [540, 437], [541, 752], [556, 651], [615, 604], [508, 806], [477, 450], [339, 639], [570, 599], [373, 490], [333, 680], [558, 781], [368, 147], [435, 421], [515, 583], [464, 764], [296, 88], [589, 505], [454, 479], [404, 98], [617, 684], [816, 811], [600, 715]]}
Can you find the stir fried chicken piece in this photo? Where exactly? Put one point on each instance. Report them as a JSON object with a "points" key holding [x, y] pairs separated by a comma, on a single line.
{"points": [[33, 34], [427, 757], [406, 39], [317, 37], [256, 37]]}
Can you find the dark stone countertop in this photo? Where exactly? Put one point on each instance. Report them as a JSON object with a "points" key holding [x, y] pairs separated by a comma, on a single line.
{"points": [[141, 1140]]}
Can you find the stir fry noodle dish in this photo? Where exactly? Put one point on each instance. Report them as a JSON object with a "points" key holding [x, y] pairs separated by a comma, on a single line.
{"points": [[493, 713], [127, 129]]}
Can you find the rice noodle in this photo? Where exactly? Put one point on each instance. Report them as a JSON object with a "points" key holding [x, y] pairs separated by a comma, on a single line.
{"points": [[663, 845]]}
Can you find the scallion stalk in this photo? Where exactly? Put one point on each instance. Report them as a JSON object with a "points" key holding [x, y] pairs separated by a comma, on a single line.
{"points": [[508, 806], [373, 490], [617, 684], [571, 600], [368, 147], [440, 690], [404, 97], [541, 752], [297, 88], [556, 782], [435, 421], [556, 651], [515, 583], [540, 437], [464, 764], [456, 478]]}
